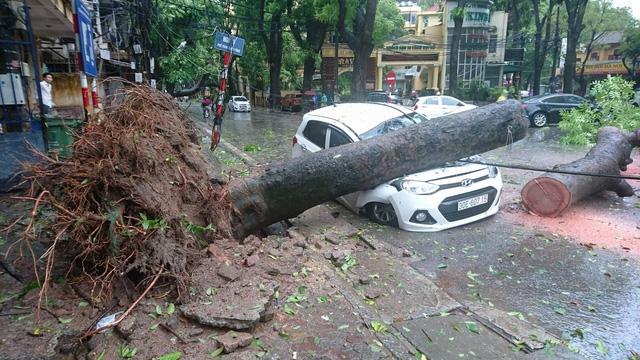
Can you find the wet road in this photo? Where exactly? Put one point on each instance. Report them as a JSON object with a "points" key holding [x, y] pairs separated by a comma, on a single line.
{"points": [[585, 293]]}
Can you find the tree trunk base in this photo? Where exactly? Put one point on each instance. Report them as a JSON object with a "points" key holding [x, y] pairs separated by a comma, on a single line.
{"points": [[552, 193]]}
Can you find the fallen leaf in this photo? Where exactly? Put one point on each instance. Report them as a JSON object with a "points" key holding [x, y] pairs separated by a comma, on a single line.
{"points": [[170, 356], [560, 310], [600, 347], [472, 326], [171, 309], [217, 352]]}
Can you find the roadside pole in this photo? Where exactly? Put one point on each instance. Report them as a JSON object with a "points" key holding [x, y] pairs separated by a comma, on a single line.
{"points": [[229, 44], [83, 29], [217, 121]]}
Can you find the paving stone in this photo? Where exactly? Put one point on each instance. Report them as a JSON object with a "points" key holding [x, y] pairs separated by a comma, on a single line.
{"points": [[251, 260], [216, 253], [237, 305], [232, 340], [332, 238], [228, 272]]}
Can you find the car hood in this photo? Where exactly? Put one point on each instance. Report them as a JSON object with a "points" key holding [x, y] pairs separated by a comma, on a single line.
{"points": [[448, 170], [241, 102]]}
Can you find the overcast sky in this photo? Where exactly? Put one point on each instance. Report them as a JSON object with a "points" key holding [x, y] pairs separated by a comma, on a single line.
{"points": [[633, 4]]}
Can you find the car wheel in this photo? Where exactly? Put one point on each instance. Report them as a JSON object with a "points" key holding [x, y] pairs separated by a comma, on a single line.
{"points": [[382, 213], [539, 119]]}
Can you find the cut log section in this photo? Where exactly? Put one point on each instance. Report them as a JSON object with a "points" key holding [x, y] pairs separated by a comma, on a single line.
{"points": [[551, 193], [284, 190]]}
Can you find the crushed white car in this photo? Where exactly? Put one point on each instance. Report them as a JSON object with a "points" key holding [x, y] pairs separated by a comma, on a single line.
{"points": [[437, 199]]}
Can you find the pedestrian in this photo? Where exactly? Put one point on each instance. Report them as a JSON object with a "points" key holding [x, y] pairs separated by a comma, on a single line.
{"points": [[47, 93], [323, 100]]}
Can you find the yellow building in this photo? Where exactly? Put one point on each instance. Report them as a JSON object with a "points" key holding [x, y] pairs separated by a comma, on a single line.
{"points": [[420, 60], [604, 59]]}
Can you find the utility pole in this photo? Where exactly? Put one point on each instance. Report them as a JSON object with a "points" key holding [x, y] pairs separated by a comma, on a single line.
{"points": [[217, 120]]}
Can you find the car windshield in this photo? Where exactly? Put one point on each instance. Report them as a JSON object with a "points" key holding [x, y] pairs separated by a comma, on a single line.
{"points": [[239, 98], [390, 125]]}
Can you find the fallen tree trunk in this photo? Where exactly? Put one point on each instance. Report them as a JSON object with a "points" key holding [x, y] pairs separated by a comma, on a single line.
{"points": [[285, 190], [551, 193]]}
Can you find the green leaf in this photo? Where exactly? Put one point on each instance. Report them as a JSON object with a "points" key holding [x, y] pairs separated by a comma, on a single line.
{"points": [[170, 356], [284, 335], [342, 327], [472, 326], [442, 266], [153, 327], [83, 303], [101, 356], [374, 348], [288, 310], [65, 320], [158, 310], [578, 333], [217, 352], [171, 308], [601, 347], [323, 299], [378, 327], [517, 314], [560, 310]]}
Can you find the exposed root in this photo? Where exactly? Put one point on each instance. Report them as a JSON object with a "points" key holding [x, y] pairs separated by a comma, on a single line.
{"points": [[128, 201]]}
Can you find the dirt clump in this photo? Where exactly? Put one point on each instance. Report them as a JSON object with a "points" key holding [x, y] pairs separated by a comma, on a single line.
{"points": [[137, 197]]}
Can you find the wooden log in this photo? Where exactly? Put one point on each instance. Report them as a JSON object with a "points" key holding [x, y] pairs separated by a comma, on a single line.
{"points": [[286, 189], [551, 193]]}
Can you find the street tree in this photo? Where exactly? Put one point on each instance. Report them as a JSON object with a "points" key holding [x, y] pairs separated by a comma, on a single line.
{"points": [[630, 49], [309, 32], [457, 14], [542, 11], [575, 16], [357, 30], [600, 18], [271, 15]]}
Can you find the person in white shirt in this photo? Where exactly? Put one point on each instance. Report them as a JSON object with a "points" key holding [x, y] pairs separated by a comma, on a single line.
{"points": [[47, 96]]}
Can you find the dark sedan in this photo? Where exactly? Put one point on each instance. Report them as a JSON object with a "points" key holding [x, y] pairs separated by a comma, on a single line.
{"points": [[543, 110], [381, 96]]}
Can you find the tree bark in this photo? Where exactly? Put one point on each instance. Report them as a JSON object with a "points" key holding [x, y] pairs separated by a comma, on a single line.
{"points": [[540, 50], [575, 15], [455, 49], [550, 194], [273, 43], [286, 189], [360, 40]]}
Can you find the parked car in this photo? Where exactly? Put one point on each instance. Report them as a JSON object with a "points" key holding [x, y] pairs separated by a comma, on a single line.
{"points": [[383, 97], [239, 103], [543, 110], [436, 106], [636, 98], [291, 102], [441, 198]]}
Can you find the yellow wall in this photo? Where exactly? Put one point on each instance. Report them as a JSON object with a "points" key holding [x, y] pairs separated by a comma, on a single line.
{"points": [[66, 89]]}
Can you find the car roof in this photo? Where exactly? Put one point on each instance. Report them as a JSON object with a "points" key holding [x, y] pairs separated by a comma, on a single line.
{"points": [[437, 96], [545, 96], [359, 117]]}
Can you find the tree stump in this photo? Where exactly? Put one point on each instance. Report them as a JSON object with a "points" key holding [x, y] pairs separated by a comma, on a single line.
{"points": [[551, 193]]}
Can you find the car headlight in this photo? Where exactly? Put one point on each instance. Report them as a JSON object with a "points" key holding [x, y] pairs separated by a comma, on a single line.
{"points": [[493, 171], [419, 187]]}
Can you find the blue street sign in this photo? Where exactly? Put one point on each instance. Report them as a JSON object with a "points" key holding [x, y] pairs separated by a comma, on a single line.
{"points": [[230, 43], [85, 34]]}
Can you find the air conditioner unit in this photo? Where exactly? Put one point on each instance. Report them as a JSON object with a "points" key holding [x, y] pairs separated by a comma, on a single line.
{"points": [[25, 69], [11, 91], [18, 10]]}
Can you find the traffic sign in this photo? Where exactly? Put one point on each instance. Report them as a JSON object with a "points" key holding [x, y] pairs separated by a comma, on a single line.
{"points": [[230, 43], [85, 35], [391, 79]]}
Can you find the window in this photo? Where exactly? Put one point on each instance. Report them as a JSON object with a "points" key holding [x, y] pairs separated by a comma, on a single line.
{"points": [[316, 132], [387, 127], [338, 138], [595, 56], [431, 101], [493, 44], [574, 100], [449, 101], [554, 100]]}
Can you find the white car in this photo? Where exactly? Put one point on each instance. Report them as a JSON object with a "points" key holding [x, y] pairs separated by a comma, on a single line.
{"points": [[239, 103], [436, 106], [455, 194]]}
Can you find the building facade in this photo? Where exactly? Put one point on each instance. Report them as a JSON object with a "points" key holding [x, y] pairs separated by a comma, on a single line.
{"points": [[605, 57]]}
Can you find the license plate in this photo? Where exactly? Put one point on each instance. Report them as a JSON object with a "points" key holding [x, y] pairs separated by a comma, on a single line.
{"points": [[474, 201]]}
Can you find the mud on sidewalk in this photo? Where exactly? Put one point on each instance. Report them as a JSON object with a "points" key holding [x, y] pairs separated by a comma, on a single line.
{"points": [[317, 290]]}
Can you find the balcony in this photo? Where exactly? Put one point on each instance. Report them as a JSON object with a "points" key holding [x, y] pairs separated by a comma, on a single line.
{"points": [[51, 18]]}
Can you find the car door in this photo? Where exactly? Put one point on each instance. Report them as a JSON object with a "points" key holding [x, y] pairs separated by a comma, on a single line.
{"points": [[553, 105], [430, 107], [338, 137], [313, 138], [449, 105]]}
